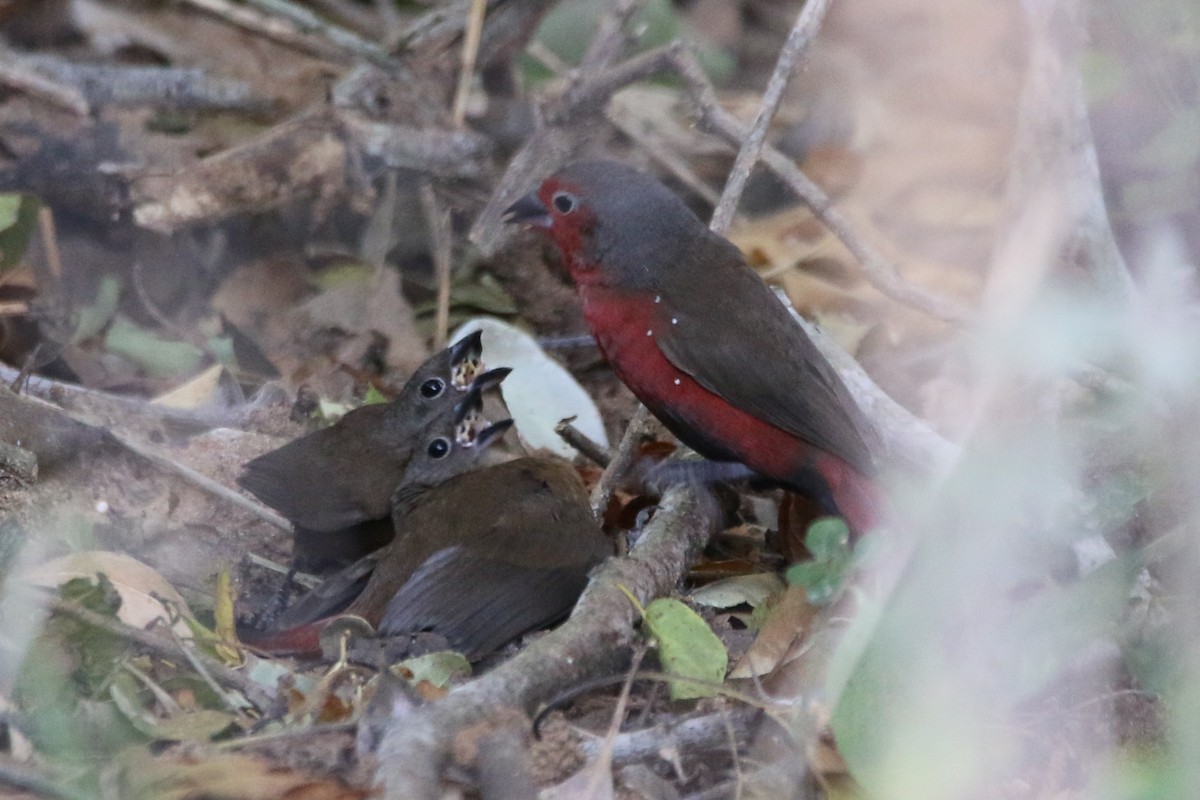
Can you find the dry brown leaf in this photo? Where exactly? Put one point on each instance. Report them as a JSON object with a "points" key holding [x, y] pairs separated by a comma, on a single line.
{"points": [[229, 776], [142, 590], [787, 623], [363, 310], [195, 392]]}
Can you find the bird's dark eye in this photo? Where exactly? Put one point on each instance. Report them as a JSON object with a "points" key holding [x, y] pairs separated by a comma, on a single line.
{"points": [[564, 202], [433, 387], [438, 448]]}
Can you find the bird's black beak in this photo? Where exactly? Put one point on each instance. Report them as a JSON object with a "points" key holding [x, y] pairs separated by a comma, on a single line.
{"points": [[468, 348], [528, 209], [471, 405], [493, 433], [490, 379]]}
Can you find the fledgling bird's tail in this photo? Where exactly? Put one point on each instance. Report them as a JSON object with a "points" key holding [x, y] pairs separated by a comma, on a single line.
{"points": [[300, 640]]}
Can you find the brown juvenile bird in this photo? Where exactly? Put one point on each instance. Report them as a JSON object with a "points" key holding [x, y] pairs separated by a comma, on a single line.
{"points": [[481, 554], [335, 485]]}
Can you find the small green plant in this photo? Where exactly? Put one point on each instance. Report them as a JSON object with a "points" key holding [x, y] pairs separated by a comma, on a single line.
{"points": [[828, 540]]}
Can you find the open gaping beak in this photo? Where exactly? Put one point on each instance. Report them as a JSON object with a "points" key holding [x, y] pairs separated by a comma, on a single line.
{"points": [[529, 210]]}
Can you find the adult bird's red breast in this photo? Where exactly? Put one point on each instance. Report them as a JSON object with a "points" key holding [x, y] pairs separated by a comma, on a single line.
{"points": [[335, 484], [700, 339]]}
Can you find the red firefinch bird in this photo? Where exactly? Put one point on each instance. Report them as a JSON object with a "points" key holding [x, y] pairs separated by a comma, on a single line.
{"points": [[700, 339]]}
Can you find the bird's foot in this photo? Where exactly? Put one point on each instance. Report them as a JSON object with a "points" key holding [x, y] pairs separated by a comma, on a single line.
{"points": [[672, 472]]}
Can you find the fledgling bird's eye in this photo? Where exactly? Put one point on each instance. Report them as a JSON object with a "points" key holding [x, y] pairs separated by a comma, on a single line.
{"points": [[432, 387], [564, 202], [438, 448]]}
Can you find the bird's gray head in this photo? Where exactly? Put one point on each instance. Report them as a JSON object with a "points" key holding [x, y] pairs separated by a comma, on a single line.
{"points": [[612, 223]]}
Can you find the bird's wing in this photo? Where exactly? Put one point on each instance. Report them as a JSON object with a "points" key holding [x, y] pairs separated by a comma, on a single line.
{"points": [[331, 596], [305, 479], [758, 358], [479, 604]]}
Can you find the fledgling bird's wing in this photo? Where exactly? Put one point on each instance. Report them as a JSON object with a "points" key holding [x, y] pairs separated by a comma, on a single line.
{"points": [[528, 541], [331, 596], [479, 603], [758, 358], [307, 481]]}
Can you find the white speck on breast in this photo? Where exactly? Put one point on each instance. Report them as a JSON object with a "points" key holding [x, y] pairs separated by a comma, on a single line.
{"points": [[677, 381], [649, 332], [658, 298], [674, 321]]}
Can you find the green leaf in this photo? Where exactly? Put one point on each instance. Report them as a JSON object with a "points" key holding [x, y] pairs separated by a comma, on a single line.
{"points": [[687, 647], [438, 669], [195, 726], [751, 590], [820, 580], [18, 216], [374, 396], [95, 315], [158, 357], [827, 538], [342, 274]]}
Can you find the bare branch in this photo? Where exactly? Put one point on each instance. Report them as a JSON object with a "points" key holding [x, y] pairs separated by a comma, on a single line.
{"points": [[437, 219], [307, 22], [642, 425], [24, 77], [594, 642], [807, 24], [588, 448], [160, 87], [470, 51], [880, 272]]}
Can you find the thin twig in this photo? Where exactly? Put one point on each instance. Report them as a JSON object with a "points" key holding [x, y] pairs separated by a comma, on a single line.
{"points": [[880, 272], [308, 22], [283, 734], [364, 21], [104, 85], [437, 218], [50, 241], [610, 37], [641, 426], [202, 481], [161, 647], [470, 51], [304, 579], [202, 670], [270, 27], [807, 24], [700, 732], [25, 78], [587, 447], [389, 18], [184, 334], [602, 763], [665, 156]]}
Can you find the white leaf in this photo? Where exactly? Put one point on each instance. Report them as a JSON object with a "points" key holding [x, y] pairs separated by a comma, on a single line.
{"points": [[540, 392]]}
